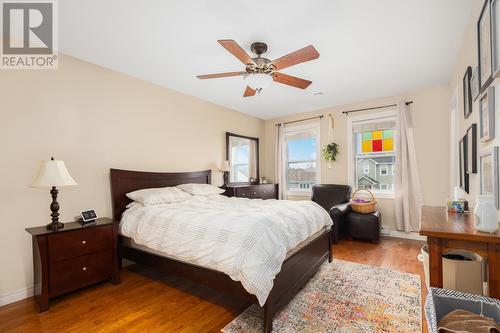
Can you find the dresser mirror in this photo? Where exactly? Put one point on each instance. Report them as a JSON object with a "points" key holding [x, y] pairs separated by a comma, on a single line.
{"points": [[243, 156]]}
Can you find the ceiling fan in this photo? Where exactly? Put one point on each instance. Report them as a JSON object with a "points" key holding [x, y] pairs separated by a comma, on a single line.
{"points": [[260, 72]]}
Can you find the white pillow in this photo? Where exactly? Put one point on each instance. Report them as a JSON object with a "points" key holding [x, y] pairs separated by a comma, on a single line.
{"points": [[158, 196], [201, 189]]}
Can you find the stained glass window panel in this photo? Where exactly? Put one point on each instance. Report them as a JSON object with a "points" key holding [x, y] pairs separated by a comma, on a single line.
{"points": [[377, 141], [366, 146]]}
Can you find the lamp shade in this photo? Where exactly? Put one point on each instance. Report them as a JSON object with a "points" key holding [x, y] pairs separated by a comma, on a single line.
{"points": [[53, 173], [258, 81], [225, 166]]}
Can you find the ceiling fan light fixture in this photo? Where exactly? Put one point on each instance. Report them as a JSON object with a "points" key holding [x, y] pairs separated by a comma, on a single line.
{"points": [[258, 81]]}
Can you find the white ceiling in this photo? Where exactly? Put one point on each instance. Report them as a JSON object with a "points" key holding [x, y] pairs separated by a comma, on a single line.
{"points": [[368, 48]]}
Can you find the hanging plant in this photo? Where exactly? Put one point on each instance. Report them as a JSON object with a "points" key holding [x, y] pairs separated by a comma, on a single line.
{"points": [[330, 152]]}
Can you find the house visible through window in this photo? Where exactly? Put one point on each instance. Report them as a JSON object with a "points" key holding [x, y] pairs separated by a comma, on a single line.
{"points": [[301, 157], [373, 150]]}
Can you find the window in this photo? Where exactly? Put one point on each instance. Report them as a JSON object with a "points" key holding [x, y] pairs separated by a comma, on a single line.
{"points": [[384, 170], [371, 145], [393, 169], [301, 158]]}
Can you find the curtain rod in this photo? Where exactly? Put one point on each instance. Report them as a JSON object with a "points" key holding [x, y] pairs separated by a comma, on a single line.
{"points": [[374, 108], [296, 121]]}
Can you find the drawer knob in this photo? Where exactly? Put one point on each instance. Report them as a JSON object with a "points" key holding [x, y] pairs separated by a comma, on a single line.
{"points": [[84, 242], [84, 268]]}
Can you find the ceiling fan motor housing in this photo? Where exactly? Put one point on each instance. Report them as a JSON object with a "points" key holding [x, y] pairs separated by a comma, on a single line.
{"points": [[260, 65]]}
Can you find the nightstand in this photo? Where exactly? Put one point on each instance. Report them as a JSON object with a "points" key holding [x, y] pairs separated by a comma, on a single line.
{"points": [[72, 258]]}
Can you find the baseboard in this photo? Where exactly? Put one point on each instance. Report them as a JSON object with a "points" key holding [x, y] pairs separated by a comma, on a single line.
{"points": [[401, 234], [16, 295]]}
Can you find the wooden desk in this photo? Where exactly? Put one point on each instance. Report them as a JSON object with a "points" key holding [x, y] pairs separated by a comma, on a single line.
{"points": [[457, 231]]}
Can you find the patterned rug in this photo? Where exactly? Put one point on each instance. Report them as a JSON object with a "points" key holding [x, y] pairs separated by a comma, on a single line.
{"points": [[345, 297]]}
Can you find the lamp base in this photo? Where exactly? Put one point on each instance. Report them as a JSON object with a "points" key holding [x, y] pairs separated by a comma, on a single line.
{"points": [[55, 226]]}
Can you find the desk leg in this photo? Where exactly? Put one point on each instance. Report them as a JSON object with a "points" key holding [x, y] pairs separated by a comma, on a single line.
{"points": [[494, 270], [435, 262]]}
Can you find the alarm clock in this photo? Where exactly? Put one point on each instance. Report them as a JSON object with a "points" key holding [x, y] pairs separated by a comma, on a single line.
{"points": [[88, 216]]}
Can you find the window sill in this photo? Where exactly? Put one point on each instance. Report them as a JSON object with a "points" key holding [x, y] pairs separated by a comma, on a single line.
{"points": [[299, 193]]}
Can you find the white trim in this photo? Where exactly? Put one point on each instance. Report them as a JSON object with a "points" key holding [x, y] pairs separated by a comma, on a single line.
{"points": [[351, 160], [16, 295], [316, 128], [403, 235]]}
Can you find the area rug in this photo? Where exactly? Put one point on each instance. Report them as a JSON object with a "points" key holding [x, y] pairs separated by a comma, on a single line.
{"points": [[345, 297]]}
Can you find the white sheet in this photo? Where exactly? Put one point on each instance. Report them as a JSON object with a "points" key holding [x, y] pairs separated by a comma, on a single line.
{"points": [[245, 239]]}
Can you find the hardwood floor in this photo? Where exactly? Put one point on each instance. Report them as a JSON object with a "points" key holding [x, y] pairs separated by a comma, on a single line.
{"points": [[147, 301]]}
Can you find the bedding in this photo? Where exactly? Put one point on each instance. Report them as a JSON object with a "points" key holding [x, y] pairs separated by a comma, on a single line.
{"points": [[246, 239], [200, 189], [157, 196]]}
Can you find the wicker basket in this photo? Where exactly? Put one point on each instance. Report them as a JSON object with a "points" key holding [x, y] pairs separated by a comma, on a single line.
{"points": [[364, 207]]}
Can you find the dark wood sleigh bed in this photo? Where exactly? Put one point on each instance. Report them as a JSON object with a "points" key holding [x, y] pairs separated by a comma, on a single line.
{"points": [[295, 271]]}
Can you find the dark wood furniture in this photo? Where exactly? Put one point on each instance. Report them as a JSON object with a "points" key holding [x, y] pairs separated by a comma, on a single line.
{"points": [[68, 259], [295, 271], [259, 191], [457, 231]]}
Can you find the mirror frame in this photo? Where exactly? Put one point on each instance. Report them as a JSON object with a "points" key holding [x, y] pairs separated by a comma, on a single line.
{"points": [[228, 153]]}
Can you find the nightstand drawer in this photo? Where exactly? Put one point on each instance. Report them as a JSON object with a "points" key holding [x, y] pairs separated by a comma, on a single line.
{"points": [[72, 244], [79, 272], [247, 192]]}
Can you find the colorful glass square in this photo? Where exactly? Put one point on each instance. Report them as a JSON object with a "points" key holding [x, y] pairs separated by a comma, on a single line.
{"points": [[367, 135], [376, 145], [376, 135], [388, 134], [366, 146], [388, 144]]}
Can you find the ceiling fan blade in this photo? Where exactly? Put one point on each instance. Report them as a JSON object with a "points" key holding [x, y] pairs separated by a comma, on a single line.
{"points": [[215, 76], [236, 50], [306, 54], [249, 92], [291, 80]]}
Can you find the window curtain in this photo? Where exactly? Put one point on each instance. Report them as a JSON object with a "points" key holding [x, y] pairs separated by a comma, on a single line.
{"points": [[252, 157], [279, 176], [408, 193]]}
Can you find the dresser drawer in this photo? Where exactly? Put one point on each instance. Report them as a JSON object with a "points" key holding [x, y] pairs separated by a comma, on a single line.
{"points": [[79, 272], [72, 244], [268, 191], [248, 192]]}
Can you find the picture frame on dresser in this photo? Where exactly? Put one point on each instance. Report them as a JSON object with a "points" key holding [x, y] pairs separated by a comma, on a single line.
{"points": [[484, 47], [462, 155], [489, 174], [471, 152], [487, 115], [467, 92]]}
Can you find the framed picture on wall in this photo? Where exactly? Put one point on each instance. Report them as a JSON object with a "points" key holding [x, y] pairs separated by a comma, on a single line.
{"points": [[462, 155], [495, 36], [487, 115], [474, 83], [489, 182], [471, 149], [466, 84], [484, 48]]}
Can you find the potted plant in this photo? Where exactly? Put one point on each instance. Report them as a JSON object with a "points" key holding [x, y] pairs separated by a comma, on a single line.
{"points": [[330, 153]]}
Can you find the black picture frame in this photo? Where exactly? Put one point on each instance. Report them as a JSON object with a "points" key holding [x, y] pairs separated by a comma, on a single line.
{"points": [[474, 83], [495, 36], [462, 155], [487, 115], [467, 92], [485, 46], [471, 151]]}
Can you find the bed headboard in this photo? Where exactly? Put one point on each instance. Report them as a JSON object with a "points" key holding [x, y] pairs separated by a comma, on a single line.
{"points": [[124, 181]]}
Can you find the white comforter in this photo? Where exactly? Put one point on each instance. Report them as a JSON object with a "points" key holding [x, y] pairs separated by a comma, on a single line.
{"points": [[246, 239]]}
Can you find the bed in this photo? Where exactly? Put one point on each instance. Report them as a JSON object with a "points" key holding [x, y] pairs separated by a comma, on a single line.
{"points": [[298, 266]]}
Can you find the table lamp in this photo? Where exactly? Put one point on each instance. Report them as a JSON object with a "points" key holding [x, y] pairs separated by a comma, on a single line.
{"points": [[225, 169], [51, 174]]}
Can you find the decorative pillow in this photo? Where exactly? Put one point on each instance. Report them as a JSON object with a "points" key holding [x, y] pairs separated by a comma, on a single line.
{"points": [[200, 189], [158, 196]]}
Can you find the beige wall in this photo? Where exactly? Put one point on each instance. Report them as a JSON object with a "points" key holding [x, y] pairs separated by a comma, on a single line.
{"points": [[468, 57], [94, 119], [430, 112]]}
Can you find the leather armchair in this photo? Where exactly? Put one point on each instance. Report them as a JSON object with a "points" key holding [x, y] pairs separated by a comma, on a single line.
{"points": [[335, 200]]}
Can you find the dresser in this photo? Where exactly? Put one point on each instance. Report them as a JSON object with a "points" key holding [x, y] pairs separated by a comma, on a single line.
{"points": [[259, 191], [72, 258]]}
